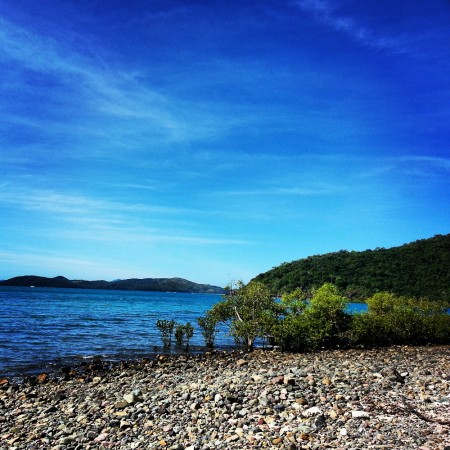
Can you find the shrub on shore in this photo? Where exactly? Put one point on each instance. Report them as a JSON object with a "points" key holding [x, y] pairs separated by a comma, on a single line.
{"points": [[183, 334], [298, 323], [396, 320], [290, 330], [166, 328], [326, 319], [208, 327], [249, 312]]}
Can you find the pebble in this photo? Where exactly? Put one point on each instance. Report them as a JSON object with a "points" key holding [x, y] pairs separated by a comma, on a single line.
{"points": [[360, 415], [314, 411], [133, 397], [236, 400]]}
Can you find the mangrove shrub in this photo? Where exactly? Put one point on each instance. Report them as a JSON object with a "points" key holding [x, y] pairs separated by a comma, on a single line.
{"points": [[249, 311], [208, 328], [166, 328]]}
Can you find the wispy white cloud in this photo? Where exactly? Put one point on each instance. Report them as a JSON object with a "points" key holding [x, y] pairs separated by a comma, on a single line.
{"points": [[38, 258], [286, 191], [410, 165], [422, 166], [75, 205], [326, 13], [433, 161], [90, 219], [111, 93], [135, 186], [126, 234]]}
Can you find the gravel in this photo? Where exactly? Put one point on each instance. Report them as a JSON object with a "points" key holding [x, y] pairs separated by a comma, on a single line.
{"points": [[394, 398]]}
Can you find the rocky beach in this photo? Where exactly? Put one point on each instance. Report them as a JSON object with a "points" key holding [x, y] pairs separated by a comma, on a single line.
{"points": [[393, 398]]}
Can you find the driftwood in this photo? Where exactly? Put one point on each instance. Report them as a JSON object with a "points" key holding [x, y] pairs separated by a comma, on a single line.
{"points": [[406, 407], [423, 416]]}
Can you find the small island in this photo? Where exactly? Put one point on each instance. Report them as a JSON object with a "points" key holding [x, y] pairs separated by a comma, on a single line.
{"points": [[133, 284]]}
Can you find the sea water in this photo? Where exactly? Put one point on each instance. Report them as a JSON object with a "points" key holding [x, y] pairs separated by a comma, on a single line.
{"points": [[41, 328]]}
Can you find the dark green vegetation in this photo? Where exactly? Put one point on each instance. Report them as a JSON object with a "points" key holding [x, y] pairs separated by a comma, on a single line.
{"points": [[420, 269], [393, 319], [299, 323], [208, 328], [133, 284], [249, 312], [168, 328], [183, 334]]}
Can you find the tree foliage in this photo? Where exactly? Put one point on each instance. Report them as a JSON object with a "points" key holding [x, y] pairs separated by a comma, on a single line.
{"points": [[419, 269], [320, 322], [249, 311], [166, 328], [208, 327], [183, 334], [290, 330], [294, 303], [393, 319], [325, 316], [302, 321], [390, 320]]}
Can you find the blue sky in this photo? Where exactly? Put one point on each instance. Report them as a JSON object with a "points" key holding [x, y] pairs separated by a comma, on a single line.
{"points": [[214, 140]]}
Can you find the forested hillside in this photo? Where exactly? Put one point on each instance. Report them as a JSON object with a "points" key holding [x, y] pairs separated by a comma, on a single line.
{"points": [[419, 269], [133, 284]]}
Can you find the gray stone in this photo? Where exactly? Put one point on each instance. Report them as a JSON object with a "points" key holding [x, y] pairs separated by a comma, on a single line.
{"points": [[360, 415], [133, 397], [313, 411]]}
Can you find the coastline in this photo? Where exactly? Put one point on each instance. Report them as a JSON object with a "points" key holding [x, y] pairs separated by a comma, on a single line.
{"points": [[66, 368], [391, 398]]}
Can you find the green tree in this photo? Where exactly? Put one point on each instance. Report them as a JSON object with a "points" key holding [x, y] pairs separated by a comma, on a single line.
{"points": [[325, 318], [166, 328], [403, 320], [188, 333], [294, 302], [418, 269], [383, 303], [290, 331], [179, 333], [208, 327], [249, 312], [183, 334]]}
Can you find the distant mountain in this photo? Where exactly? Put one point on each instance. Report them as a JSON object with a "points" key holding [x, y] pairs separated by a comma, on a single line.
{"points": [[418, 269], [134, 284]]}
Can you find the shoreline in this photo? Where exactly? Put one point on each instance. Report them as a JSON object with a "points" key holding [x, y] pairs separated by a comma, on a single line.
{"points": [[56, 368], [390, 398]]}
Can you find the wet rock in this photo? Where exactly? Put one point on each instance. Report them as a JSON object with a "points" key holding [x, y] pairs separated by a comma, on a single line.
{"points": [[42, 378]]}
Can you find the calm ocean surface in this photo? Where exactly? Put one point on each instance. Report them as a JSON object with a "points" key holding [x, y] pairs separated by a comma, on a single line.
{"points": [[45, 327]]}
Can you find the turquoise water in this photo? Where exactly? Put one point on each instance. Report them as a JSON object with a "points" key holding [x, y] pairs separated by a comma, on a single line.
{"points": [[41, 327]]}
